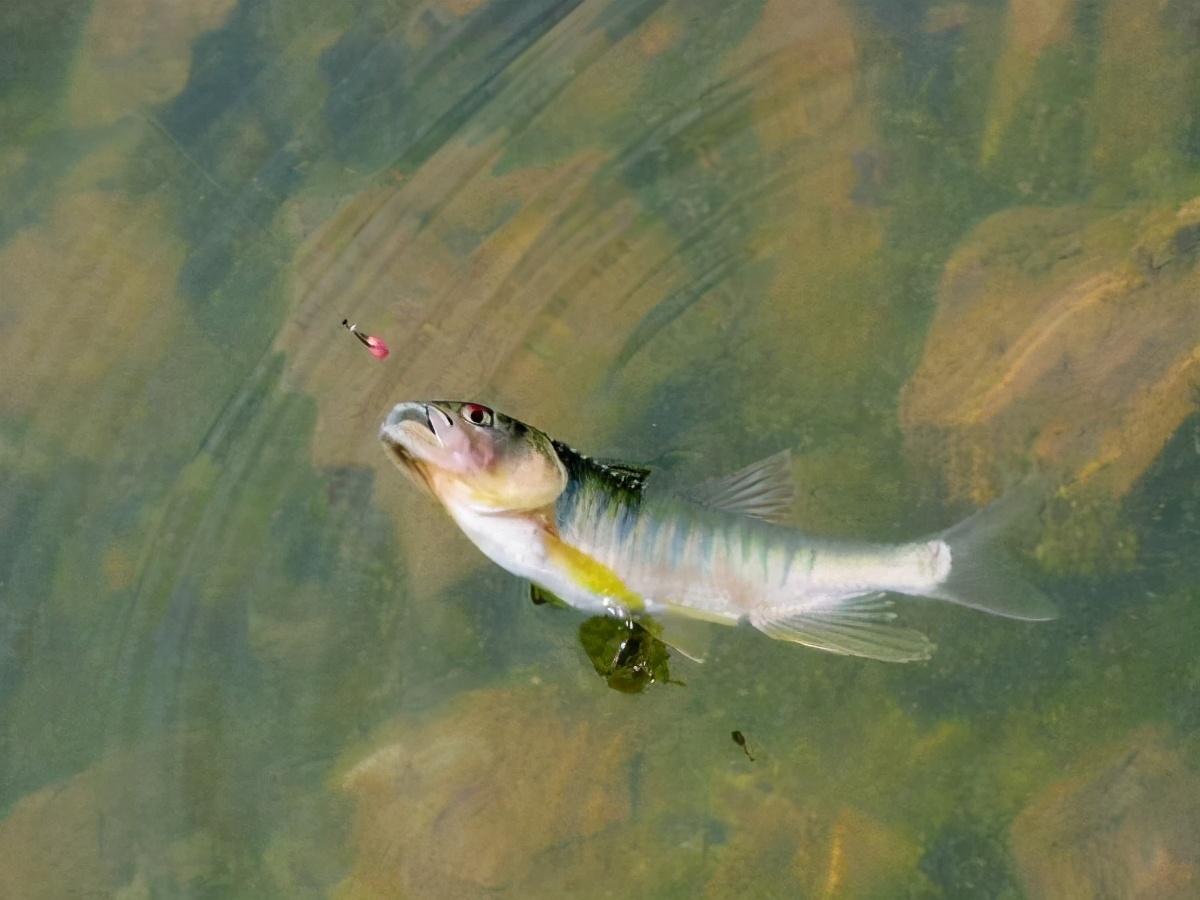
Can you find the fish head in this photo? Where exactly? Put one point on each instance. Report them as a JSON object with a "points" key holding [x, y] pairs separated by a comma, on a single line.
{"points": [[470, 456]]}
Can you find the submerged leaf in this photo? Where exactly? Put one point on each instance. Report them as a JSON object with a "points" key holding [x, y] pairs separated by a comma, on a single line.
{"points": [[624, 654]]}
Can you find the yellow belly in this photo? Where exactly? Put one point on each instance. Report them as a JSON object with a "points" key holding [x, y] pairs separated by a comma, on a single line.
{"points": [[592, 576]]}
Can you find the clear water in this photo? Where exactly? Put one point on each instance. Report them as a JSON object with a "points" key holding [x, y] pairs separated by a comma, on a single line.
{"points": [[928, 246]]}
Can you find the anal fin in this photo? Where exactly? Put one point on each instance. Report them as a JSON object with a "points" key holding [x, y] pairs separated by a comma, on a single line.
{"points": [[857, 626]]}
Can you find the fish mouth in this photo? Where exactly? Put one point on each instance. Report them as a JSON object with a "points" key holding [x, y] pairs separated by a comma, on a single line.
{"points": [[405, 433], [398, 431]]}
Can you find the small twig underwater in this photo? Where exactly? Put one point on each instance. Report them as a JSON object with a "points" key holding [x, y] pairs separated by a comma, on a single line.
{"points": [[375, 346]]}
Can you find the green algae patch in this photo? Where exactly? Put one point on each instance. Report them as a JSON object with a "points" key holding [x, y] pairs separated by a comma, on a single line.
{"points": [[1140, 114], [1031, 29], [968, 857], [37, 43], [1086, 535]]}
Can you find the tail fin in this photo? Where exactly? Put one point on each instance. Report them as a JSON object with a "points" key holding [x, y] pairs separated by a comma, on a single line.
{"points": [[983, 574]]}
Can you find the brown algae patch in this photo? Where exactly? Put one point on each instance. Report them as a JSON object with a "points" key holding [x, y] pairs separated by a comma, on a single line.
{"points": [[1076, 344], [1123, 826], [477, 799]]}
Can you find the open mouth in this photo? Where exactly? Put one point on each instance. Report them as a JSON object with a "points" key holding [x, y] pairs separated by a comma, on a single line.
{"points": [[402, 434], [392, 432]]}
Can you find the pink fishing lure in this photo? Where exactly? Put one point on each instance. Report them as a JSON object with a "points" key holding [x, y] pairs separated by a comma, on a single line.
{"points": [[376, 346]]}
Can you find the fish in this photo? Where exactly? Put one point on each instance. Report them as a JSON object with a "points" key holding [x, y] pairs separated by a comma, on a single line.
{"points": [[595, 535]]}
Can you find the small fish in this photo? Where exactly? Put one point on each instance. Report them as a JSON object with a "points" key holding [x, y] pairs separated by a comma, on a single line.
{"points": [[376, 346], [593, 534]]}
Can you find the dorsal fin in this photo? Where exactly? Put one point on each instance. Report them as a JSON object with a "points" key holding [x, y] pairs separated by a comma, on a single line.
{"points": [[631, 476], [623, 475], [762, 490]]}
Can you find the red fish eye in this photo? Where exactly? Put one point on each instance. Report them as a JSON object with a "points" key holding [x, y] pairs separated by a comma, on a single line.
{"points": [[476, 414]]}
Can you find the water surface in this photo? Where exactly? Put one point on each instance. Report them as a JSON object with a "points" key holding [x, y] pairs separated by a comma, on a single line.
{"points": [[928, 246]]}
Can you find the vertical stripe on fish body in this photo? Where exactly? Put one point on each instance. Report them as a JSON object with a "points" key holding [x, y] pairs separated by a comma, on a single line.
{"points": [[678, 554]]}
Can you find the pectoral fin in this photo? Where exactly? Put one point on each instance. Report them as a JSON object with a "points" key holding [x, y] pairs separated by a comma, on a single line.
{"points": [[542, 597], [762, 490], [858, 626]]}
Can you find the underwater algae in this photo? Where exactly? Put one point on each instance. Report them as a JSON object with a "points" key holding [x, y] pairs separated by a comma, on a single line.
{"points": [[1118, 828], [1049, 345], [479, 798]]}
